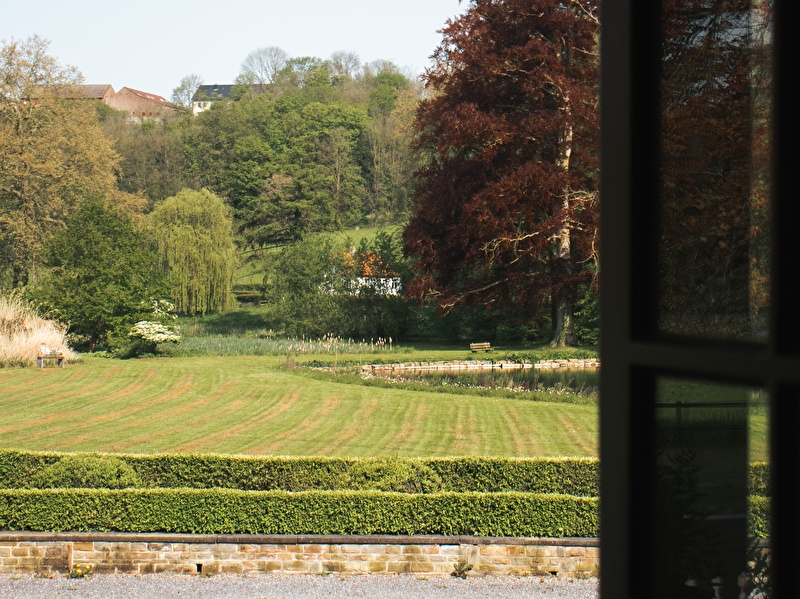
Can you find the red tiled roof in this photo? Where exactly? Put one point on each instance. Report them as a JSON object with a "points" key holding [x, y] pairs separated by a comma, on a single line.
{"points": [[146, 96], [86, 92]]}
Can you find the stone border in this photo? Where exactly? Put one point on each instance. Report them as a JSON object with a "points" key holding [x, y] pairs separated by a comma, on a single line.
{"points": [[142, 553], [480, 365]]}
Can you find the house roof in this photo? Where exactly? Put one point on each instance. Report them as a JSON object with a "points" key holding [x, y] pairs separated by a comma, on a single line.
{"points": [[86, 92], [146, 96], [212, 92]]}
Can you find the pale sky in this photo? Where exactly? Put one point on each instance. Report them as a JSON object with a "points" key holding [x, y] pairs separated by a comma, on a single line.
{"points": [[150, 45]]}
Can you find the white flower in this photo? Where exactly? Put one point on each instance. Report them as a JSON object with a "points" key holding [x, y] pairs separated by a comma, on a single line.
{"points": [[154, 332]]}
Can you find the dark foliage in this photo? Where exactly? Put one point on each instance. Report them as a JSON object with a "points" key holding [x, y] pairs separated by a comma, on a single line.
{"points": [[506, 206]]}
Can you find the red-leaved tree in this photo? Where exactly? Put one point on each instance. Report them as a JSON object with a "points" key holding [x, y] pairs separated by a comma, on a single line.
{"points": [[506, 205]]}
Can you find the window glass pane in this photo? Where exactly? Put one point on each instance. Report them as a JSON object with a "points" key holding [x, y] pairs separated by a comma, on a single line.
{"points": [[757, 579], [715, 111], [712, 509]]}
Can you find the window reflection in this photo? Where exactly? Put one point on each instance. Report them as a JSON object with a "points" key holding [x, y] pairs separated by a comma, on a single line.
{"points": [[715, 110], [712, 503]]}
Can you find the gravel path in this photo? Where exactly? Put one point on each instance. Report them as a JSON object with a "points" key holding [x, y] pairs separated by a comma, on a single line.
{"points": [[297, 586]]}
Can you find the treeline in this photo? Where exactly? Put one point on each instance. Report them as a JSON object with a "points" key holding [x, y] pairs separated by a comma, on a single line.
{"points": [[108, 222], [319, 147]]}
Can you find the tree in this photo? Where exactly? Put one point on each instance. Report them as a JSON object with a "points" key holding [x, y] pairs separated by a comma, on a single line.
{"points": [[262, 65], [391, 161], [52, 153], [103, 275], [344, 65], [306, 288], [342, 176], [152, 163], [287, 165], [196, 251], [505, 209], [188, 86], [305, 72]]}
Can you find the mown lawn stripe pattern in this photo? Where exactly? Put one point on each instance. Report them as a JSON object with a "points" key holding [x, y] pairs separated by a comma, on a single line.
{"points": [[252, 406]]}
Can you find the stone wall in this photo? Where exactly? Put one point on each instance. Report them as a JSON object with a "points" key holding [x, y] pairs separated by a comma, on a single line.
{"points": [[49, 553]]}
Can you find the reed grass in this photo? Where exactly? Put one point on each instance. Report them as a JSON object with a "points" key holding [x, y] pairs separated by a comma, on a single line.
{"points": [[264, 344], [23, 331]]}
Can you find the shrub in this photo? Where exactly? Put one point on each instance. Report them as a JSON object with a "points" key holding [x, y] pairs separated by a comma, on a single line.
{"points": [[147, 334], [758, 517], [86, 472]]}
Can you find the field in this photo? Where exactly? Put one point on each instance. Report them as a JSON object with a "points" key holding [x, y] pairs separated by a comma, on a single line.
{"points": [[253, 405]]}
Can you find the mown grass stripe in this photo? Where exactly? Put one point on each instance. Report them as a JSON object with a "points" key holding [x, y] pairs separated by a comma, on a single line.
{"points": [[251, 405]]}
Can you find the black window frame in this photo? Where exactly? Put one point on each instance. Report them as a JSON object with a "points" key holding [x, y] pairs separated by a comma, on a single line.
{"points": [[633, 352]]}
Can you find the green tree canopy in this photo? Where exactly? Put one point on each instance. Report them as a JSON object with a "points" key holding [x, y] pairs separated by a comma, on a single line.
{"points": [[310, 279], [103, 275], [196, 250], [52, 153], [152, 163], [302, 156]]}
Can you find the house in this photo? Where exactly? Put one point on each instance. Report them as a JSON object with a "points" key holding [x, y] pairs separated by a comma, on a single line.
{"points": [[374, 276], [206, 94], [103, 92], [137, 104], [141, 105]]}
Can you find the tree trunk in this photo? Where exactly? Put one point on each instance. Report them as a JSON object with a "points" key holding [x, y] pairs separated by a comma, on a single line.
{"points": [[563, 327]]}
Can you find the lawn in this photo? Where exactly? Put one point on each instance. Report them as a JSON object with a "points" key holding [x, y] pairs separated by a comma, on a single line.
{"points": [[251, 405]]}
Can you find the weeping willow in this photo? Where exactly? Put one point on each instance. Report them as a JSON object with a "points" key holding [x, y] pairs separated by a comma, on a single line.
{"points": [[195, 247]]}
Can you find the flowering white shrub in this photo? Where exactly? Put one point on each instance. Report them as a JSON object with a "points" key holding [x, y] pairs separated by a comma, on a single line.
{"points": [[163, 309], [154, 332]]}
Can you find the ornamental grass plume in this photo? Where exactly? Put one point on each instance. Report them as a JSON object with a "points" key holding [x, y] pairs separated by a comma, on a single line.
{"points": [[22, 332]]}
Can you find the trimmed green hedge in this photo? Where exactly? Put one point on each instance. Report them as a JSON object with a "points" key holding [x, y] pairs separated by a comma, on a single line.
{"points": [[568, 476], [759, 479], [220, 511], [758, 517], [86, 472], [578, 476]]}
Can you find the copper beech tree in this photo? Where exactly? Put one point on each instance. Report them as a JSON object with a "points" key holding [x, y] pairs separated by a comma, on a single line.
{"points": [[506, 205]]}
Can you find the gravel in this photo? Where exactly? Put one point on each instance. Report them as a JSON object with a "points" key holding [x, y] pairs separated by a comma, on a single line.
{"points": [[291, 586]]}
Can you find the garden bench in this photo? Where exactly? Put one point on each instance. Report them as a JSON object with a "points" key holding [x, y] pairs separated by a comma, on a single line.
{"points": [[476, 347], [45, 353]]}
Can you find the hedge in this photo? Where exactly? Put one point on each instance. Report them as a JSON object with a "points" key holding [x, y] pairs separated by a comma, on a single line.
{"points": [[579, 476], [758, 482], [758, 517], [565, 476], [226, 511]]}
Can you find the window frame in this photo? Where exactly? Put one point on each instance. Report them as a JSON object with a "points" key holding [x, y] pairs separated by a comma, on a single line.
{"points": [[633, 353]]}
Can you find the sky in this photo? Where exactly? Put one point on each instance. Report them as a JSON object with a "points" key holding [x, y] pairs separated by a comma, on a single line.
{"points": [[150, 45]]}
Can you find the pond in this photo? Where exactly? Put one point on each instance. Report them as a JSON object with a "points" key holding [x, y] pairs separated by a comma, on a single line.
{"points": [[579, 380]]}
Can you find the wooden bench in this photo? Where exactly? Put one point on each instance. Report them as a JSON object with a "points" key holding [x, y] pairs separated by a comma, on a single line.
{"points": [[45, 353], [476, 347]]}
